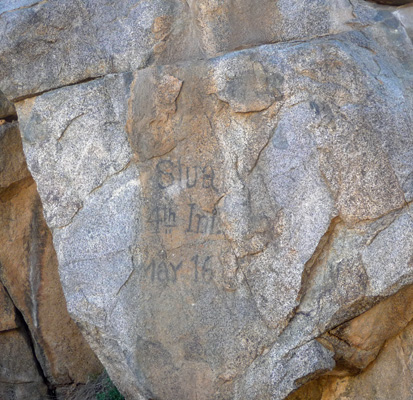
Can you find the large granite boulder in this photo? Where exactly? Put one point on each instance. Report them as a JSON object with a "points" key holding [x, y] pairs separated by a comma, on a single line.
{"points": [[224, 183]]}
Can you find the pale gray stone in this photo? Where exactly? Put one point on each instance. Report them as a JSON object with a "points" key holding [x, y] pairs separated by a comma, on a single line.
{"points": [[388, 257], [89, 256], [80, 132], [212, 218], [405, 15], [49, 44], [13, 5], [274, 378]]}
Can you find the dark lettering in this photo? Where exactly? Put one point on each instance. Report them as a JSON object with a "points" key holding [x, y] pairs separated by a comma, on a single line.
{"points": [[180, 170], [163, 217], [166, 177], [207, 273], [175, 270], [200, 219], [211, 231], [208, 178], [155, 218], [163, 273], [171, 218], [191, 206], [188, 184], [195, 260], [150, 266]]}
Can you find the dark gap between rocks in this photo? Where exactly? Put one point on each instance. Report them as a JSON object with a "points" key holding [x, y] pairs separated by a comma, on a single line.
{"points": [[392, 2], [10, 118], [51, 392]]}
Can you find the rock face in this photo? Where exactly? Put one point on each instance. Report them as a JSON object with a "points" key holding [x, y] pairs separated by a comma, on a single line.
{"points": [[380, 339], [7, 109], [41, 348], [391, 374], [224, 183], [90, 38], [19, 374]]}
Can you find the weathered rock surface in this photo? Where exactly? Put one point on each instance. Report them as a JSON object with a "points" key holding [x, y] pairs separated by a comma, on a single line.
{"points": [[13, 168], [357, 342], [20, 377], [391, 376], [213, 217], [41, 341], [29, 271], [380, 339], [19, 374], [6, 107], [90, 38], [8, 313], [405, 15]]}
